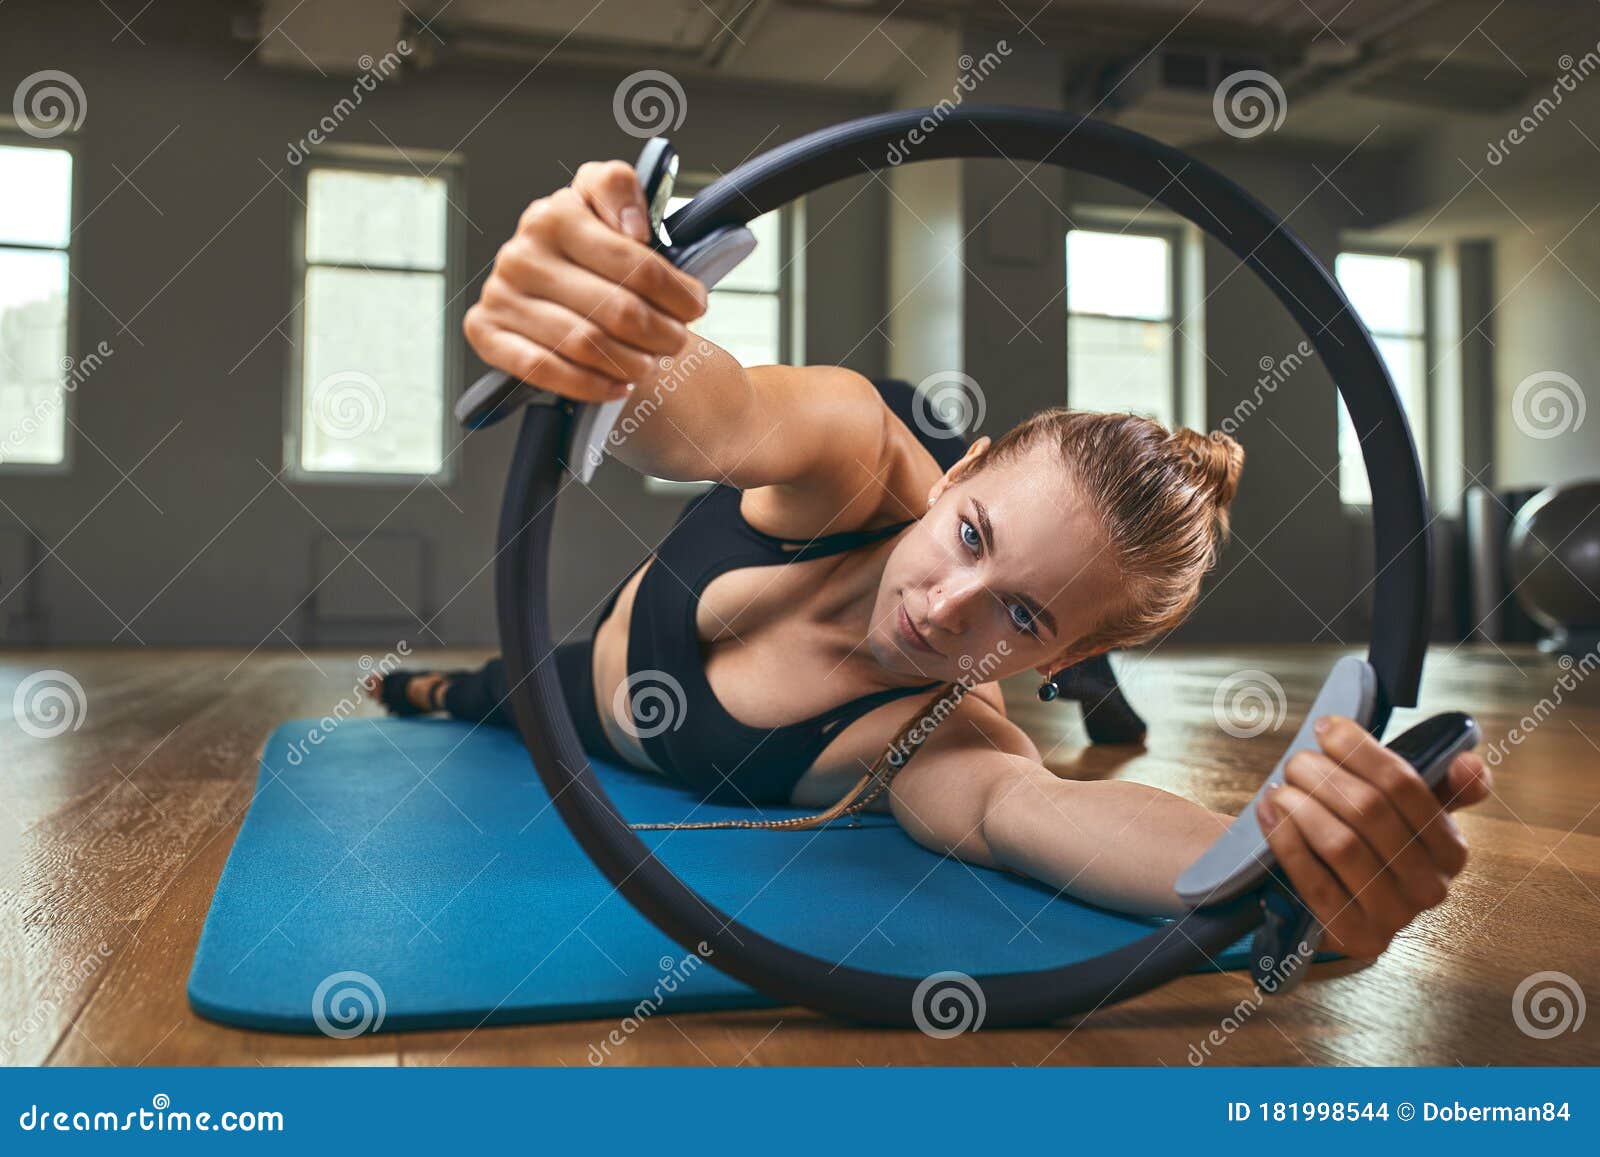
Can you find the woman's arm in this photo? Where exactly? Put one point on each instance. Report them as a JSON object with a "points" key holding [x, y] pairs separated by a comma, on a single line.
{"points": [[977, 789], [578, 303], [1360, 836]]}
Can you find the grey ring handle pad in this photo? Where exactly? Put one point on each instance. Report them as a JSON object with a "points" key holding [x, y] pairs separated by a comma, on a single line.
{"points": [[1240, 860]]}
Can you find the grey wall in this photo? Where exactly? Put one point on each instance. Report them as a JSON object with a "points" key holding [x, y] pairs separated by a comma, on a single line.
{"points": [[188, 286], [1525, 182], [195, 264]]}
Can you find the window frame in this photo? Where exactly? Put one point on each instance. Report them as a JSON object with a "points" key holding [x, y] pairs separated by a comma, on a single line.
{"points": [[790, 218], [1089, 221], [395, 162], [11, 134], [790, 294], [1424, 257]]}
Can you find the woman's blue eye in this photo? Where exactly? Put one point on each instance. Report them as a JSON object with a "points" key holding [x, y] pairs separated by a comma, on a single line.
{"points": [[1021, 617], [970, 536]]}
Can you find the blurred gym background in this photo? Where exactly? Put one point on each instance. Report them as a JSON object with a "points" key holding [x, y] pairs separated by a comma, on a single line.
{"points": [[237, 240]]}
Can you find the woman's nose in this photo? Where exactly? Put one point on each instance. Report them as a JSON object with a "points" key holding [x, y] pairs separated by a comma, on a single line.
{"points": [[950, 605]]}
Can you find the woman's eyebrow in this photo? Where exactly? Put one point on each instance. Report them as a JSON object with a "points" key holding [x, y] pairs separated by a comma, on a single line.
{"points": [[986, 532]]}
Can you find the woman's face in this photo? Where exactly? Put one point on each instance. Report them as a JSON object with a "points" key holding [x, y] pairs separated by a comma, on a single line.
{"points": [[1005, 571]]}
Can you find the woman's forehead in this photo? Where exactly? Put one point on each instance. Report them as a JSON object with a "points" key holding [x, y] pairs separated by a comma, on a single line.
{"points": [[1042, 527]]}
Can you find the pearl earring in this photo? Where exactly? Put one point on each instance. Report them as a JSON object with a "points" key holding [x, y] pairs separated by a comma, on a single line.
{"points": [[1048, 691]]}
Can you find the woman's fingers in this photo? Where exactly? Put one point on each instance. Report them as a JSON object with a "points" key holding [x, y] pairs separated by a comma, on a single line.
{"points": [[1353, 748], [620, 260], [539, 365], [579, 339], [618, 249], [1368, 812], [1342, 920], [611, 189], [613, 308], [1372, 891], [1470, 781]]}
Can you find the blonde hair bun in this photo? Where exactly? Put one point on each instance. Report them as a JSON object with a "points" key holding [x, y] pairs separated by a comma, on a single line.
{"points": [[1216, 460]]}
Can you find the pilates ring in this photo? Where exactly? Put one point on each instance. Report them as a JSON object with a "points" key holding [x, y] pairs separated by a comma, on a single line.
{"points": [[1231, 216]]}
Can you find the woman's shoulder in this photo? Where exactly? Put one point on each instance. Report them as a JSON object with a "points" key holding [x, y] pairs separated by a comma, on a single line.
{"points": [[864, 470], [979, 721]]}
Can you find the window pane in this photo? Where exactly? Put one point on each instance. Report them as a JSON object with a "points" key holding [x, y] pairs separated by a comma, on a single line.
{"points": [[1386, 291], [372, 389], [33, 348], [1119, 274], [35, 195], [747, 325], [1406, 359], [1120, 365], [1354, 487], [763, 269], [356, 217]]}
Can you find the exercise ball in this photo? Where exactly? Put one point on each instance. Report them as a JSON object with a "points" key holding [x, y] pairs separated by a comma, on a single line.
{"points": [[1554, 552]]}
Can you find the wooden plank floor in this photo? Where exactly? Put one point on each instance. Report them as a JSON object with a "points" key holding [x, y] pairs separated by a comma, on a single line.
{"points": [[112, 837]]}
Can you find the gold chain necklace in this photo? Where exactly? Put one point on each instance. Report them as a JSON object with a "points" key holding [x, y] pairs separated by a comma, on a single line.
{"points": [[911, 736]]}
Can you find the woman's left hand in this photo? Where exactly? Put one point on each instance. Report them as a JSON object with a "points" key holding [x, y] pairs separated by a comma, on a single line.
{"points": [[1363, 839]]}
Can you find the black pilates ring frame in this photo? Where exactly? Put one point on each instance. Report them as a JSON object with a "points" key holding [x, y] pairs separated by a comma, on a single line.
{"points": [[1231, 216]]}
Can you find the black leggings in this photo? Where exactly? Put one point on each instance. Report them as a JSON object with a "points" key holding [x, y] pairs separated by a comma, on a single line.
{"points": [[484, 696]]}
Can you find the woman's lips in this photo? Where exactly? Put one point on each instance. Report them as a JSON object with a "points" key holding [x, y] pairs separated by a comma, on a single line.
{"points": [[908, 632]]}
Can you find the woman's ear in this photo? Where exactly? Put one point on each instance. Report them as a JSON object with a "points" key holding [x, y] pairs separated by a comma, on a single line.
{"points": [[952, 475]]}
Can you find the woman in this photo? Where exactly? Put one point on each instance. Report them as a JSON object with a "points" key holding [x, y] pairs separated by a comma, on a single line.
{"points": [[840, 569]]}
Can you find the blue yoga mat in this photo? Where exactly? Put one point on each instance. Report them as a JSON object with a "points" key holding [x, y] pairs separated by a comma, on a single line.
{"points": [[417, 868]]}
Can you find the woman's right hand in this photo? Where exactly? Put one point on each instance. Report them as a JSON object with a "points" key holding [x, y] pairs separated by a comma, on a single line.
{"points": [[578, 303]]}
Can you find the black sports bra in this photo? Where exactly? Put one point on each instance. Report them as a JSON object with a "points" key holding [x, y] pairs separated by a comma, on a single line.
{"points": [[702, 746]]}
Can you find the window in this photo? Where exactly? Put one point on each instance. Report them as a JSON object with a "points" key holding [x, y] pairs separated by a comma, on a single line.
{"points": [[1389, 294], [749, 315], [1121, 323], [377, 363], [752, 312], [35, 236]]}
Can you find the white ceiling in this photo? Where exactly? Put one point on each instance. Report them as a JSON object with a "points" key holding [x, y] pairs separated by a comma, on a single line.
{"points": [[1407, 63]]}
